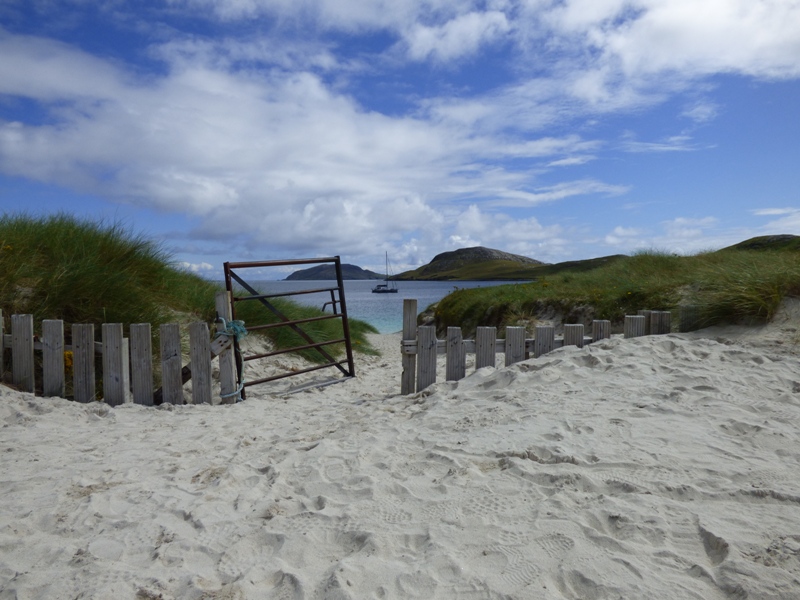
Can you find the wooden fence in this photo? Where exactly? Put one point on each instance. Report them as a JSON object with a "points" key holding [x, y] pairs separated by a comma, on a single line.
{"points": [[420, 346], [127, 363]]}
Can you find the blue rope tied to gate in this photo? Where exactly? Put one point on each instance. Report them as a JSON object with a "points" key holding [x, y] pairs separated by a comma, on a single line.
{"points": [[232, 328], [237, 330], [236, 393]]}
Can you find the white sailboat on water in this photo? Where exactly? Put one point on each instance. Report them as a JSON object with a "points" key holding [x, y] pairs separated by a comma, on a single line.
{"points": [[387, 287]]}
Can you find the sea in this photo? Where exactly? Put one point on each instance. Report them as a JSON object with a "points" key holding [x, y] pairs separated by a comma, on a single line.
{"points": [[382, 311]]}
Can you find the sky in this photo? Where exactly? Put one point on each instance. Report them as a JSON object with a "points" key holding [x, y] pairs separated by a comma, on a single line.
{"points": [[253, 130]]}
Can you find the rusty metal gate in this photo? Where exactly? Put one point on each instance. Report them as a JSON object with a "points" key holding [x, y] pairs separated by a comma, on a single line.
{"points": [[337, 301]]}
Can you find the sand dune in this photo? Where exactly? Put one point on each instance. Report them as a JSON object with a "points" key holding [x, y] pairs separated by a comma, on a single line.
{"points": [[660, 467]]}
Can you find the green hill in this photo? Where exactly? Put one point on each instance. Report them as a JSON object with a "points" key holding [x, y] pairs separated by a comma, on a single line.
{"points": [[473, 264], [485, 264], [769, 242]]}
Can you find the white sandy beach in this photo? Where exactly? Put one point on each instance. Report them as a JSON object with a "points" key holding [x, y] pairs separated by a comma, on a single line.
{"points": [[656, 468]]}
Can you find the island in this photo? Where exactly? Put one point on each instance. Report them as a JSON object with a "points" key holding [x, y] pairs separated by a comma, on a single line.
{"points": [[326, 272], [476, 263]]}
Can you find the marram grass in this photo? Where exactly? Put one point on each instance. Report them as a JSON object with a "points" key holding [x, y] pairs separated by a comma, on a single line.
{"points": [[746, 285]]}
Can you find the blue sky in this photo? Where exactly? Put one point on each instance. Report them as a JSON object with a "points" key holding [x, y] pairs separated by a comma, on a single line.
{"points": [[266, 129]]}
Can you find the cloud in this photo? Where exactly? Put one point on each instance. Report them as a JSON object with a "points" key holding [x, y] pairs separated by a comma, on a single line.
{"points": [[775, 211], [624, 236], [348, 16], [613, 46], [459, 37], [571, 161], [271, 155], [788, 221], [682, 235], [685, 235], [714, 36], [676, 143], [701, 112], [559, 191], [51, 71], [616, 43], [612, 54], [250, 53], [635, 51], [682, 228], [202, 267], [528, 237]]}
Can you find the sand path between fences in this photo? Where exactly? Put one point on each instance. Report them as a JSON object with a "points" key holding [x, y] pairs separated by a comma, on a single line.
{"points": [[658, 467]]}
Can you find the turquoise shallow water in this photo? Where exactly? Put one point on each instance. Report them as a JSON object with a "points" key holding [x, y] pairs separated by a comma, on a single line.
{"points": [[383, 311]]}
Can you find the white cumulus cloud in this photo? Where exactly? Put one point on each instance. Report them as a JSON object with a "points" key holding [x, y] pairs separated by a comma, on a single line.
{"points": [[462, 36]]}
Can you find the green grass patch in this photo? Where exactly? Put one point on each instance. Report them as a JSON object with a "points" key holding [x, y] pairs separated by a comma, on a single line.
{"points": [[745, 285]]}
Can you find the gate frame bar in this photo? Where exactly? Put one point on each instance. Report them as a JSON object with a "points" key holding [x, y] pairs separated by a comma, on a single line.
{"points": [[284, 321]]}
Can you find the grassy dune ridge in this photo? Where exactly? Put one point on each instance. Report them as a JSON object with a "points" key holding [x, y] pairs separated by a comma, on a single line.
{"points": [[729, 285], [61, 267]]}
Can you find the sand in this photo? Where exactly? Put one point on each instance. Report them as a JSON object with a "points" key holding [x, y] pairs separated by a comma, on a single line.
{"points": [[660, 467]]}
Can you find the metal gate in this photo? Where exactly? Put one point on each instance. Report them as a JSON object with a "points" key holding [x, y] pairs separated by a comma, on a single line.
{"points": [[337, 301]]}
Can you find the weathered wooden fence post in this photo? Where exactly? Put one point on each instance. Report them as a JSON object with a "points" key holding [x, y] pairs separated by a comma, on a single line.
{"points": [[601, 330], [456, 366], [83, 362], [116, 364], [647, 320], [409, 334], [485, 344], [515, 345], [227, 361], [142, 364], [22, 352], [660, 322], [573, 334], [171, 382], [634, 326], [544, 341], [53, 383], [200, 354], [426, 359]]}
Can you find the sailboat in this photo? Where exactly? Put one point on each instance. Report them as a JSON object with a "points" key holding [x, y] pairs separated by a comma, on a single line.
{"points": [[387, 287]]}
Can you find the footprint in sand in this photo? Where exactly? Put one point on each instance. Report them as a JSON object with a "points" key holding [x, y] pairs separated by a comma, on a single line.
{"points": [[556, 545], [511, 537], [248, 552], [519, 568]]}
